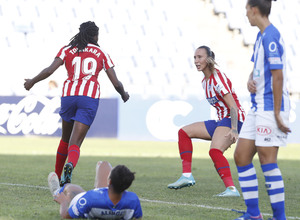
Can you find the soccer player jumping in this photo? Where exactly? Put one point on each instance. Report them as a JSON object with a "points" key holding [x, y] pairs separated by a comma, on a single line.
{"points": [[83, 59]]}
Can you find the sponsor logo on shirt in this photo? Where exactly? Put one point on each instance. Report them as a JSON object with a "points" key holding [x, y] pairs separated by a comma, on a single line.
{"points": [[272, 47], [274, 60], [212, 100], [263, 130], [82, 202]]}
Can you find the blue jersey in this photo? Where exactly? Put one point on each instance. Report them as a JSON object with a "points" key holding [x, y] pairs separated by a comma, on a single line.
{"points": [[269, 54], [96, 204]]}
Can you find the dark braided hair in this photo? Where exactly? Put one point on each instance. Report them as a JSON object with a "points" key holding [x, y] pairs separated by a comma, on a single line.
{"points": [[87, 32], [121, 178]]}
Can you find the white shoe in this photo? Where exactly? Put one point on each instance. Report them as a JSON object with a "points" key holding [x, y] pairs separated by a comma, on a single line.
{"points": [[182, 182], [53, 183], [230, 191]]}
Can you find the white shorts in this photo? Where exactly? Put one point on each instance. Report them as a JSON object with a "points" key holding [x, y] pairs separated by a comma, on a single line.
{"points": [[262, 127]]}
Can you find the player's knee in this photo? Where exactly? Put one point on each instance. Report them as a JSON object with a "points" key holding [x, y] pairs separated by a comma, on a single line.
{"points": [[182, 133], [236, 158], [105, 164], [72, 190], [240, 159]]}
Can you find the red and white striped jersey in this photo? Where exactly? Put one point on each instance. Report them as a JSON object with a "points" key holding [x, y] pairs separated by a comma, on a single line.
{"points": [[83, 70], [215, 88]]}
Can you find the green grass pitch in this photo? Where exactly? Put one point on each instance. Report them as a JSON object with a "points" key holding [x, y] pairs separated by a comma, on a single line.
{"points": [[26, 161]]}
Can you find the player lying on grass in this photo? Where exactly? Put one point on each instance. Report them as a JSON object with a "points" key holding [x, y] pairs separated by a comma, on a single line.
{"points": [[109, 199], [222, 133]]}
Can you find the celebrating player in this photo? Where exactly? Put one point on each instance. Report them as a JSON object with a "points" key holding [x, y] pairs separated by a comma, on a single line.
{"points": [[83, 59], [109, 199], [266, 125], [222, 133]]}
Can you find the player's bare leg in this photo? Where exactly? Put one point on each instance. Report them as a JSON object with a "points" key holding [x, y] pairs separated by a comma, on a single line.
{"points": [[103, 169], [78, 134], [219, 144], [71, 190]]}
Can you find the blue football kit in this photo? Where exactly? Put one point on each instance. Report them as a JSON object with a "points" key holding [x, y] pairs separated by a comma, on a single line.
{"points": [[96, 204], [269, 54]]}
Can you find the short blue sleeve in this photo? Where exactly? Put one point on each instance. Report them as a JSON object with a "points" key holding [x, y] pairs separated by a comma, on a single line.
{"points": [[273, 49], [80, 208], [138, 213]]}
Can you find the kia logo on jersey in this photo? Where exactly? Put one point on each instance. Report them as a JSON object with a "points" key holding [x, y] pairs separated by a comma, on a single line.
{"points": [[263, 130]]}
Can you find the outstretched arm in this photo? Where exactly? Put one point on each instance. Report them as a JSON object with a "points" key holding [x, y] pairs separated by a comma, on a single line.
{"points": [[45, 73], [117, 84]]}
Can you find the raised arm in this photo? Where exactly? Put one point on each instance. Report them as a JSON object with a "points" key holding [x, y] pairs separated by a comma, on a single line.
{"points": [[117, 84], [45, 73]]}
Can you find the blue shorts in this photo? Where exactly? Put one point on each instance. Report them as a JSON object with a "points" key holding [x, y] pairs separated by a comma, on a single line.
{"points": [[79, 108], [211, 125]]}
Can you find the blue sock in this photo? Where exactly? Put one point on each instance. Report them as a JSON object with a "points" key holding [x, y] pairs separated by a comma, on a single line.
{"points": [[275, 188], [249, 185]]}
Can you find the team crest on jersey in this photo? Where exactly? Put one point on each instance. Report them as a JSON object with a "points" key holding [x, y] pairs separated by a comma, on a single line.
{"points": [[218, 88], [256, 73]]}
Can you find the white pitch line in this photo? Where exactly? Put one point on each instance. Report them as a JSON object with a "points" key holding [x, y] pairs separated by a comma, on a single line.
{"points": [[23, 185], [185, 204], [151, 201]]}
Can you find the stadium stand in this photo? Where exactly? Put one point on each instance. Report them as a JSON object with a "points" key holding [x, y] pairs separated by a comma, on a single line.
{"points": [[151, 42], [284, 15]]}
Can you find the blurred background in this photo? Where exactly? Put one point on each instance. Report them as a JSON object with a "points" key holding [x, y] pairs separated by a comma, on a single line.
{"points": [[151, 43]]}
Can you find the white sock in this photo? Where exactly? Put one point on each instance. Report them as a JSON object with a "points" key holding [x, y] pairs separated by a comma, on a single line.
{"points": [[187, 174], [232, 188]]}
